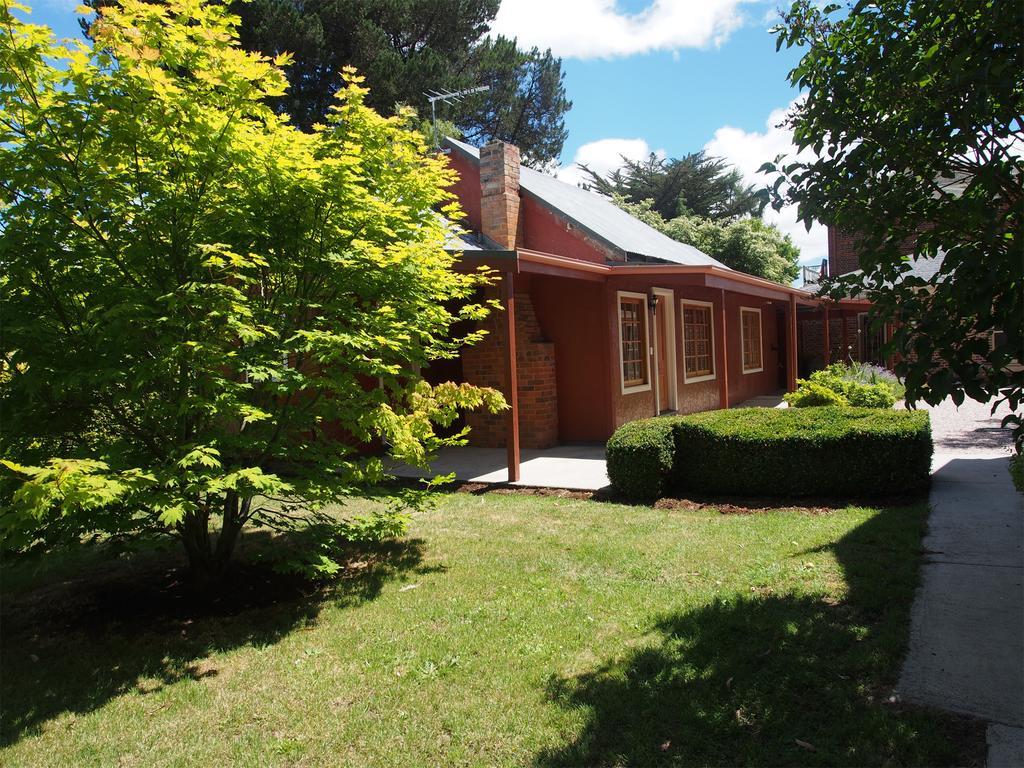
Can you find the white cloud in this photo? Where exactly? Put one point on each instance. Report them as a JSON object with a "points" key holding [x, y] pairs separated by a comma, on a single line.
{"points": [[589, 29], [748, 151], [604, 156]]}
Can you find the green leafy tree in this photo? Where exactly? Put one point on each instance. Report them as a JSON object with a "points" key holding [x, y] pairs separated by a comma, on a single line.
{"points": [[914, 114], [402, 47], [406, 48], [695, 184], [749, 245], [208, 312]]}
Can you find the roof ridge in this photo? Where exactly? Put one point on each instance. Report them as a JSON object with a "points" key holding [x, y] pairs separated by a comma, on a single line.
{"points": [[601, 218]]}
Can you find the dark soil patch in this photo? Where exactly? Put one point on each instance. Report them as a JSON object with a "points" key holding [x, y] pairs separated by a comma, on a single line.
{"points": [[516, 490], [742, 508], [726, 505]]}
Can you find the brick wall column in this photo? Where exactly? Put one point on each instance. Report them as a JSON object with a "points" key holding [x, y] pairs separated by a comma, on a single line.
{"points": [[485, 364]]}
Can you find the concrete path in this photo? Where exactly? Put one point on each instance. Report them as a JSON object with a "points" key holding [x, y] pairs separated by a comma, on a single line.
{"points": [[764, 401], [966, 650], [576, 467]]}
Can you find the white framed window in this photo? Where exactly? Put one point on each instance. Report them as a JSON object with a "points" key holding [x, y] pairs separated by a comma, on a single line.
{"points": [[634, 342], [698, 340], [750, 333]]}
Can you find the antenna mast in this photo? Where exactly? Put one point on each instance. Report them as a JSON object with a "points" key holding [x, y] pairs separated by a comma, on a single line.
{"points": [[448, 97]]}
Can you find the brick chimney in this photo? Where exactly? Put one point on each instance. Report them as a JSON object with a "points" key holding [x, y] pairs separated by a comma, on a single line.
{"points": [[499, 193]]}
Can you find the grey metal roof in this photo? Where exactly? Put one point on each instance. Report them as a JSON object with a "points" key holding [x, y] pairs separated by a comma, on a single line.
{"points": [[924, 268], [602, 219], [461, 241], [458, 239]]}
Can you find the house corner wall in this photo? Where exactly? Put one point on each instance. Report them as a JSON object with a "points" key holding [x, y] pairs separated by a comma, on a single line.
{"points": [[842, 253], [483, 364]]}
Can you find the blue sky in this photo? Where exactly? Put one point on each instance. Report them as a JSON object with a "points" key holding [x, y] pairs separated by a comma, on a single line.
{"points": [[59, 15], [676, 101], [672, 77], [669, 76]]}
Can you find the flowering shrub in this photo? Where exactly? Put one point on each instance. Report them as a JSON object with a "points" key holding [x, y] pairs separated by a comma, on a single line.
{"points": [[811, 393], [857, 384], [868, 373]]}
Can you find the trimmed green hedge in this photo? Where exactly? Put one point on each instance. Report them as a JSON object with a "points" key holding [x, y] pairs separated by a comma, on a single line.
{"points": [[826, 451], [639, 457]]}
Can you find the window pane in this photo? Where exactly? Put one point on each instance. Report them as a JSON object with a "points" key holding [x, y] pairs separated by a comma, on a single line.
{"points": [[697, 352], [633, 343], [751, 328]]}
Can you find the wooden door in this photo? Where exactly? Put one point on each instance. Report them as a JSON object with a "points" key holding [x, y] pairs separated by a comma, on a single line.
{"points": [[782, 344], [661, 323]]}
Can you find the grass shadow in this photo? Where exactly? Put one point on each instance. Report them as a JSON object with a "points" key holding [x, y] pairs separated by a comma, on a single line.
{"points": [[72, 646], [790, 679]]}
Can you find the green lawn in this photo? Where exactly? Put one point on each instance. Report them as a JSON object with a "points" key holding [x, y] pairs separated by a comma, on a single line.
{"points": [[508, 630]]}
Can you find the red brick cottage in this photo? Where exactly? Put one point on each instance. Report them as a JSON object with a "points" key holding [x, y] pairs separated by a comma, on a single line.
{"points": [[606, 319]]}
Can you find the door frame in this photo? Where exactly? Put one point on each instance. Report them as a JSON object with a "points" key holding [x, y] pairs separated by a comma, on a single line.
{"points": [[670, 351], [782, 345]]}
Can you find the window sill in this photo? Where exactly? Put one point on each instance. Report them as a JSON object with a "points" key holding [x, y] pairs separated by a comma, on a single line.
{"points": [[635, 389], [698, 379]]}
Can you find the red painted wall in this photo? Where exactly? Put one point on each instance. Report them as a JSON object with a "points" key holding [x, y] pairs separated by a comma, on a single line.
{"points": [[743, 386], [579, 319], [544, 231], [467, 188], [698, 396], [572, 314]]}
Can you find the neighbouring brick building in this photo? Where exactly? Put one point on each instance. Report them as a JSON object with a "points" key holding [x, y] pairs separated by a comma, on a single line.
{"points": [[848, 334]]}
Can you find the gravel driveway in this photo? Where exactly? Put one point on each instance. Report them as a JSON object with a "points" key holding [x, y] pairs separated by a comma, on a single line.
{"points": [[970, 429]]}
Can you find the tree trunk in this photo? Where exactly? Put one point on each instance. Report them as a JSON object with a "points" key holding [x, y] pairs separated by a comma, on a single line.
{"points": [[209, 564]]}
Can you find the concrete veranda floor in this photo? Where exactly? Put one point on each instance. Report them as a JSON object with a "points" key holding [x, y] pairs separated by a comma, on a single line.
{"points": [[576, 467]]}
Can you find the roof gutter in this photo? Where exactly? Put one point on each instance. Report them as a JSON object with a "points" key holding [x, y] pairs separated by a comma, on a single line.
{"points": [[561, 262]]}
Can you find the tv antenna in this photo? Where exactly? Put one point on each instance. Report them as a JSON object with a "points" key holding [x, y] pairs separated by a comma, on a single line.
{"points": [[448, 97]]}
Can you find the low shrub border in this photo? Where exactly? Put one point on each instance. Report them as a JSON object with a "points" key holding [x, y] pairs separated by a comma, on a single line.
{"points": [[639, 457], [1017, 471], [824, 451]]}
